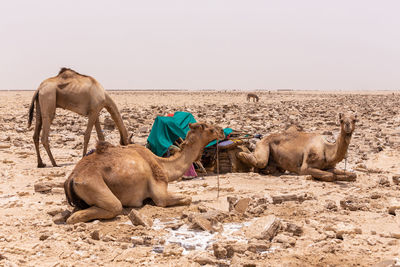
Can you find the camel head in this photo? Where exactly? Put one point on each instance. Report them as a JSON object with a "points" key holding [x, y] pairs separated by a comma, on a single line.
{"points": [[204, 133], [347, 123]]}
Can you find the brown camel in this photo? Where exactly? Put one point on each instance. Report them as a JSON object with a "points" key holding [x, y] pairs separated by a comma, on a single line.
{"points": [[252, 95], [113, 177], [76, 92], [305, 153]]}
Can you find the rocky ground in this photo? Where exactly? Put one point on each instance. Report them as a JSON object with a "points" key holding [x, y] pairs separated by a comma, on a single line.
{"points": [[257, 220]]}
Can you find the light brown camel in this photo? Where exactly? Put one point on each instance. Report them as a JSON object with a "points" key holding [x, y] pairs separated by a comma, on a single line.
{"points": [[113, 177], [76, 92], [305, 153], [252, 95]]}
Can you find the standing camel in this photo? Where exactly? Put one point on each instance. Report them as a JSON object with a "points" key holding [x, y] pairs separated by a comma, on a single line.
{"points": [[76, 92], [305, 153], [252, 95], [112, 177]]}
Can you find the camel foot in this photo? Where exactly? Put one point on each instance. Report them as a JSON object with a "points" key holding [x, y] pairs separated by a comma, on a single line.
{"points": [[348, 177], [41, 165], [75, 218], [325, 179]]}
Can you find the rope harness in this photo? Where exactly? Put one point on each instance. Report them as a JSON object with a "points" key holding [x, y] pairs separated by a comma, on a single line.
{"points": [[217, 170]]}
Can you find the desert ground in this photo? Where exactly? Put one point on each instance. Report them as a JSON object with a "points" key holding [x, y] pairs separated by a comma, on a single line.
{"points": [[316, 224]]}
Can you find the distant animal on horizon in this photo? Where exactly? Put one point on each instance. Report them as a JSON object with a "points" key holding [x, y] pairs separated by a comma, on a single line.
{"points": [[305, 153], [76, 92], [252, 95]]}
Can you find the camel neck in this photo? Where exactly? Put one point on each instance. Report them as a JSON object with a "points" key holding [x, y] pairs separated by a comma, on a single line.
{"points": [[179, 163], [342, 144]]}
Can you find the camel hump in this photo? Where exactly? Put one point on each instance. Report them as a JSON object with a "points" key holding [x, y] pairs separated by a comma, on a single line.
{"points": [[102, 146], [66, 73]]}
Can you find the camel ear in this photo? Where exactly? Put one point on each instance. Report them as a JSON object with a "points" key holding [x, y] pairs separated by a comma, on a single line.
{"points": [[355, 118], [340, 116]]}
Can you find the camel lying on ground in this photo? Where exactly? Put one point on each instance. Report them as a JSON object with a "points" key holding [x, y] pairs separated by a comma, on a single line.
{"points": [[76, 92], [113, 177], [252, 95], [305, 153]]}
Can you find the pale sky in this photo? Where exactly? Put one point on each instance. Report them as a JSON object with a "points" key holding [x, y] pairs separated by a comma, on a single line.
{"points": [[297, 44]]}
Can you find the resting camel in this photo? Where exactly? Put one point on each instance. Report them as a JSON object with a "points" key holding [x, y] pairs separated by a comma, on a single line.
{"points": [[113, 177], [254, 96], [305, 153], [76, 92]]}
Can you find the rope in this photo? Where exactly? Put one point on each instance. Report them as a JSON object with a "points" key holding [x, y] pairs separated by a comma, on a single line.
{"points": [[217, 170]]}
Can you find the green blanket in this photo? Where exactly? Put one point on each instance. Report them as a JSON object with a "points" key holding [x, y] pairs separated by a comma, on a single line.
{"points": [[166, 130]]}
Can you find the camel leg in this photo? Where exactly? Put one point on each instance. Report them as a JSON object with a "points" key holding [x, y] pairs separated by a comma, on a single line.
{"points": [[100, 134], [105, 204], [45, 139], [36, 135], [320, 174], [162, 198], [91, 121], [259, 158], [344, 175], [47, 103]]}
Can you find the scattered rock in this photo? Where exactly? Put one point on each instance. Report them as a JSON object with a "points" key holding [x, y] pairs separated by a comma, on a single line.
{"points": [[109, 124], [352, 204], [342, 229], [2, 145], [240, 205], [219, 251], [284, 239], [388, 263], [139, 219], [396, 179], [263, 228], [331, 205], [294, 229], [42, 187], [202, 223], [44, 236], [277, 199], [395, 235], [95, 234], [61, 217], [383, 180], [144, 129], [255, 246], [202, 257], [172, 250], [393, 206]]}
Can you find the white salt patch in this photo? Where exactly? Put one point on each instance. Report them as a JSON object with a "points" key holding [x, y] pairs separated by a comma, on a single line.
{"points": [[196, 239]]}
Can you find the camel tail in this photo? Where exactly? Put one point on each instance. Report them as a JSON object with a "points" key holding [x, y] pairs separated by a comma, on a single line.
{"points": [[32, 107], [73, 199], [116, 116]]}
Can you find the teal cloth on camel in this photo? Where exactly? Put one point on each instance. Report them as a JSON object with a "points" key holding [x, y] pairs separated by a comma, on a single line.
{"points": [[166, 130]]}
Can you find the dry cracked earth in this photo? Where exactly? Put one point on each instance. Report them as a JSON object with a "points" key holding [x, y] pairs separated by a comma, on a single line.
{"points": [[257, 220]]}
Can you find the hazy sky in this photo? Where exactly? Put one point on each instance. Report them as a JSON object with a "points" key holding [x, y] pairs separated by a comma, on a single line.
{"points": [[299, 44]]}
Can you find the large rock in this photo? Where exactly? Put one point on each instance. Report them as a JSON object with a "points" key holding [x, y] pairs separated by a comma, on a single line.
{"points": [[42, 187], [240, 205], [393, 206], [396, 179], [263, 228], [342, 229], [139, 219]]}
